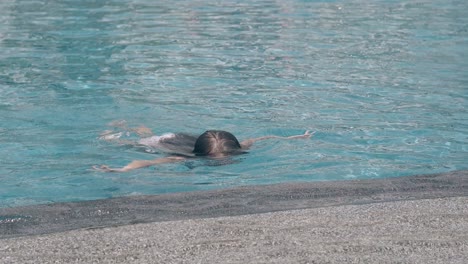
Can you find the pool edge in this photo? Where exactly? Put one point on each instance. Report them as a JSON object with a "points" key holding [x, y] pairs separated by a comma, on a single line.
{"points": [[58, 217]]}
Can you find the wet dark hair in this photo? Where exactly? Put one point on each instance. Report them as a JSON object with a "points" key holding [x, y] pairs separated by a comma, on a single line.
{"points": [[215, 142]]}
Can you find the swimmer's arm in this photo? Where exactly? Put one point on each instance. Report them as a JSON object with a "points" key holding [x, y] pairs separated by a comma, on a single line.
{"points": [[137, 164], [249, 142]]}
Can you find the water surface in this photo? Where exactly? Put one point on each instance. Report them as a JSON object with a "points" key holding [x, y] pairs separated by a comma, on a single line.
{"points": [[383, 84]]}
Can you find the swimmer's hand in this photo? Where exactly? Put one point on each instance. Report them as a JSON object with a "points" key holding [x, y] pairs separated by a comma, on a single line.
{"points": [[307, 134], [105, 168]]}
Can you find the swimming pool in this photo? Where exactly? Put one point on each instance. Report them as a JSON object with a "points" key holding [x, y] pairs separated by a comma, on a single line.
{"points": [[383, 84]]}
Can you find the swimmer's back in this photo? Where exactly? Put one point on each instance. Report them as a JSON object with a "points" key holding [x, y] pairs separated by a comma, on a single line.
{"points": [[176, 143]]}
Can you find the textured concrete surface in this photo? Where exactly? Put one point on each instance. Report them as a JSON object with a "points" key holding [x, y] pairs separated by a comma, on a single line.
{"points": [[421, 231], [416, 219]]}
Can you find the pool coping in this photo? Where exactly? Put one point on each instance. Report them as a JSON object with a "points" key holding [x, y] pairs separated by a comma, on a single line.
{"points": [[59, 217]]}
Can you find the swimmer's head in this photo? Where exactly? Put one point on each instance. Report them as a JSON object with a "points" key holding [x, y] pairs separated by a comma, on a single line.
{"points": [[216, 143]]}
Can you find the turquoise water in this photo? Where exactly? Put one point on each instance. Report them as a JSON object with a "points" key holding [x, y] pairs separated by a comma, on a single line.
{"points": [[383, 83]]}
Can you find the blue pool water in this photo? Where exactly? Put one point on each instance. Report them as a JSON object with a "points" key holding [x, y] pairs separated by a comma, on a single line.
{"points": [[383, 83]]}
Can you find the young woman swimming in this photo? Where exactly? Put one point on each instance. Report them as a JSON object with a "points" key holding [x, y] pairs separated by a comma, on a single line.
{"points": [[211, 144]]}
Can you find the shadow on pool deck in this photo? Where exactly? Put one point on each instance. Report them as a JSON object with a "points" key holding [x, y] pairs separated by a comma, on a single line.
{"points": [[58, 217]]}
